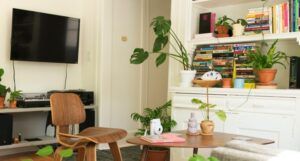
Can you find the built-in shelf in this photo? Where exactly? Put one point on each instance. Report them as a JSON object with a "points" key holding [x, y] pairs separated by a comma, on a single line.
{"points": [[220, 3], [249, 38], [44, 141], [35, 109]]}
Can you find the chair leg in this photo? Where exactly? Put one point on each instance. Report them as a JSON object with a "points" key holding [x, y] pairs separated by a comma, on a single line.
{"points": [[80, 154], [57, 156], [115, 150], [91, 152]]}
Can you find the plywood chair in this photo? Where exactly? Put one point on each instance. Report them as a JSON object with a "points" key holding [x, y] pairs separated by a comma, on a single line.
{"points": [[67, 109]]}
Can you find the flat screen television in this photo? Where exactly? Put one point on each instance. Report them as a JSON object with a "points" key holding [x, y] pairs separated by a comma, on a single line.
{"points": [[44, 37]]}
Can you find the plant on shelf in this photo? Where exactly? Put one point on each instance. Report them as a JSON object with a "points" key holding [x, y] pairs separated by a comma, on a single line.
{"points": [[165, 35], [223, 26], [207, 126], [14, 95], [3, 90], [162, 113], [263, 59], [239, 27], [197, 157]]}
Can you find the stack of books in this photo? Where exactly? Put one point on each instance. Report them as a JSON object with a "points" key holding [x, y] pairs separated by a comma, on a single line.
{"points": [[242, 68], [259, 20], [202, 61], [281, 18]]}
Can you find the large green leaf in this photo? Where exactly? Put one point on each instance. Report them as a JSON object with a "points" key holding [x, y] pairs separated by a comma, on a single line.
{"points": [[161, 26], [26, 160], [1, 73], [138, 56], [159, 43], [196, 101], [221, 115], [66, 153], [213, 159], [46, 151], [161, 59], [197, 157]]}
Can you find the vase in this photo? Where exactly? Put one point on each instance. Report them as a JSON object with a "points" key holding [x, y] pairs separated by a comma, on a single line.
{"points": [[238, 29], [226, 82], [222, 31], [266, 76], [187, 76], [13, 104], [207, 127], [2, 99]]}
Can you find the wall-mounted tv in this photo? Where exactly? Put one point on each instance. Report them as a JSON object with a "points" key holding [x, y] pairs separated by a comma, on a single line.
{"points": [[44, 37]]}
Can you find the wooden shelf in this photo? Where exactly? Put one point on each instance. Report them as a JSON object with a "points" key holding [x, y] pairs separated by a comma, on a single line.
{"points": [[220, 3], [250, 38], [35, 109], [45, 140]]}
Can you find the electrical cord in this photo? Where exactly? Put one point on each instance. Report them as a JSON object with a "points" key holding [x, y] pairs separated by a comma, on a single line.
{"points": [[14, 75], [66, 77]]}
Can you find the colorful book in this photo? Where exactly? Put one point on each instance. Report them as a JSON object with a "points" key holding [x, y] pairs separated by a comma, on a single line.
{"points": [[164, 138]]}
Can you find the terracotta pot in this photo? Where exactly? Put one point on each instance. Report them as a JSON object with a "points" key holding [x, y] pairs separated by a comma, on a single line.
{"points": [[2, 99], [222, 31], [266, 76], [13, 104], [226, 82], [157, 155], [207, 127]]}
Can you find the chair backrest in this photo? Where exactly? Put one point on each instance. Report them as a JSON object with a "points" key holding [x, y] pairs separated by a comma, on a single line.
{"points": [[66, 109]]}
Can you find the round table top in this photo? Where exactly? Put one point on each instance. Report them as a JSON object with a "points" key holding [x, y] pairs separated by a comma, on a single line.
{"points": [[199, 141]]}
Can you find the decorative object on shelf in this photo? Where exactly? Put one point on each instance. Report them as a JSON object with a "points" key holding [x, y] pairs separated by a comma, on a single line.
{"points": [[197, 157], [226, 82], [155, 127], [249, 84], [193, 125], [263, 60], [209, 79], [223, 26], [239, 27], [167, 123], [207, 23], [3, 90], [163, 31], [14, 95], [239, 83], [207, 126]]}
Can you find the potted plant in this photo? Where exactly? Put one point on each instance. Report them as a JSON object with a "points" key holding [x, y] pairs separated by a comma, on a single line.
{"points": [[239, 27], [197, 157], [3, 90], [163, 32], [223, 26], [207, 126], [263, 63], [161, 112], [13, 98]]}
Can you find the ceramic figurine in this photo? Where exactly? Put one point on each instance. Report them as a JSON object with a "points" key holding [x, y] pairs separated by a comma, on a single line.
{"points": [[192, 124]]}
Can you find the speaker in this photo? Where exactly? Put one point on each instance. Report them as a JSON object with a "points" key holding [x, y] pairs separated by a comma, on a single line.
{"points": [[89, 121], [294, 72], [6, 128]]}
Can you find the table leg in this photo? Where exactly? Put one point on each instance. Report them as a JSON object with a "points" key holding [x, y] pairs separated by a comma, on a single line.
{"points": [[195, 151], [144, 153]]}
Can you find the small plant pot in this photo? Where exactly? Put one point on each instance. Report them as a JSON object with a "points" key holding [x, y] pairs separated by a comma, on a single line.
{"points": [[227, 82], [13, 104], [157, 155], [266, 76], [187, 76], [238, 29], [2, 105], [207, 127], [222, 31]]}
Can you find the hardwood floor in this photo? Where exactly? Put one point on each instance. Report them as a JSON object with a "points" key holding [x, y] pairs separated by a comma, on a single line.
{"points": [[23, 157]]}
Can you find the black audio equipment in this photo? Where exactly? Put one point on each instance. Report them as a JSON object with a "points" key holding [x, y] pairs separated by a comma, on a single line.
{"points": [[6, 128], [294, 72], [29, 100], [89, 121], [87, 97]]}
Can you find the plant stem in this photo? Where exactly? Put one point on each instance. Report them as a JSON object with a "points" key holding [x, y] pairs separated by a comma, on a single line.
{"points": [[207, 101]]}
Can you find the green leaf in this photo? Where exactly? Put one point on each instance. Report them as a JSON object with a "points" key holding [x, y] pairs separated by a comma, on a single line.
{"points": [[138, 56], [161, 26], [196, 101], [221, 115], [213, 159], [26, 160], [1, 73], [203, 106], [66, 153], [159, 43], [46, 151], [197, 157], [161, 59]]}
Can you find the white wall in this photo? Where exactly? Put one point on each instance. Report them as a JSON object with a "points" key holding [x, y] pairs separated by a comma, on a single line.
{"points": [[41, 77]]}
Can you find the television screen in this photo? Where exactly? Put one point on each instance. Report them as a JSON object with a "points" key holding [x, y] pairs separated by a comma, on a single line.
{"points": [[44, 37]]}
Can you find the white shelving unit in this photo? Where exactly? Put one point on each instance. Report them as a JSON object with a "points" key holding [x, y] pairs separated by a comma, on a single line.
{"points": [[220, 3], [36, 109], [44, 141]]}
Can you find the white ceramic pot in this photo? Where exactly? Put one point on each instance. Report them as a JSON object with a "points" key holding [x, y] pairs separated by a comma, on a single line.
{"points": [[187, 77], [238, 29]]}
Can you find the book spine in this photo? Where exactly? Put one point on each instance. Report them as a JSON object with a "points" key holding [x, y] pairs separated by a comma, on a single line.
{"points": [[296, 15], [274, 19], [270, 20], [212, 22]]}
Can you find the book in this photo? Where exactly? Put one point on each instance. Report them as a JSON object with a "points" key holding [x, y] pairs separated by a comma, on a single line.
{"points": [[206, 24], [163, 138]]}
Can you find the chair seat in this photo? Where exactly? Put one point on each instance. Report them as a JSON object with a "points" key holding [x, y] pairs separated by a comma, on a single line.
{"points": [[103, 135]]}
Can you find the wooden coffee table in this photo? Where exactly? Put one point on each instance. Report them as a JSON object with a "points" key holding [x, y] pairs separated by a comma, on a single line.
{"points": [[195, 142]]}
